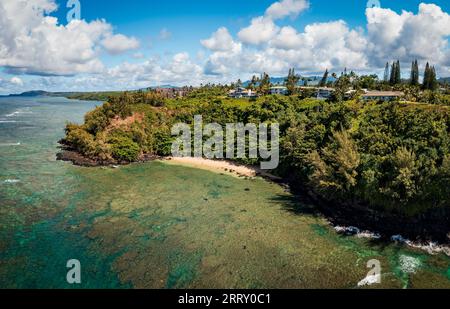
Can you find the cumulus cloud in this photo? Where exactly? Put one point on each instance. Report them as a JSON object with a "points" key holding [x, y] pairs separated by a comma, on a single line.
{"points": [[180, 69], [408, 36], [221, 40], [119, 43], [334, 45], [261, 30], [33, 42], [286, 8]]}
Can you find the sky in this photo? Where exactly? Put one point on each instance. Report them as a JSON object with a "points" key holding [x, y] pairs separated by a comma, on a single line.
{"points": [[117, 45]]}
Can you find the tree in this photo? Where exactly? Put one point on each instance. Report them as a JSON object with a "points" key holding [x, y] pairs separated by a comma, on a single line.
{"points": [[386, 73], [264, 83], [341, 86], [426, 77], [414, 80], [429, 78], [335, 170], [433, 80], [253, 83], [291, 81], [324, 80], [392, 77], [239, 83], [398, 73]]}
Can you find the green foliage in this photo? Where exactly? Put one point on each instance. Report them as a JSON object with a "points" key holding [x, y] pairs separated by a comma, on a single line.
{"points": [[396, 75], [429, 78], [414, 80], [291, 82], [124, 148], [324, 80], [264, 84]]}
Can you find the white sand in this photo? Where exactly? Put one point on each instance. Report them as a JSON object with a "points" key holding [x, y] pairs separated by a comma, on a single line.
{"points": [[220, 166]]}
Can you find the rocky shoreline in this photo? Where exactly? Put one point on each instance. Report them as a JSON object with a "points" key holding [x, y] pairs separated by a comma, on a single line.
{"points": [[68, 154], [418, 230]]}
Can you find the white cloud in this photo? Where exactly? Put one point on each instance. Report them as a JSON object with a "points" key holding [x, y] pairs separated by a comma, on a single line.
{"points": [[32, 42], [221, 40], [287, 38], [334, 45], [16, 81], [119, 43], [286, 8], [407, 36], [261, 30]]}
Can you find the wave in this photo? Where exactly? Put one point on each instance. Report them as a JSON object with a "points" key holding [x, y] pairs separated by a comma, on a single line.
{"points": [[8, 121], [10, 144], [18, 112], [11, 181]]}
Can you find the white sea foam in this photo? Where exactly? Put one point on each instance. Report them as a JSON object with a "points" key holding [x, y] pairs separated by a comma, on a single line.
{"points": [[409, 264], [10, 144], [8, 121], [351, 230], [11, 181], [18, 112]]}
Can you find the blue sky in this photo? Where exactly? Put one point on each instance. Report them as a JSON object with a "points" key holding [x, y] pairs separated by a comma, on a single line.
{"points": [[151, 41]]}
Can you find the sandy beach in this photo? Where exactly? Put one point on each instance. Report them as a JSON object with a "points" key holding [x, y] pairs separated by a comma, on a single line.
{"points": [[218, 166]]}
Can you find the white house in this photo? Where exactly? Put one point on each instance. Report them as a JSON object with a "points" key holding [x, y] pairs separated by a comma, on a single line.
{"points": [[324, 93], [242, 93], [278, 90], [382, 95]]}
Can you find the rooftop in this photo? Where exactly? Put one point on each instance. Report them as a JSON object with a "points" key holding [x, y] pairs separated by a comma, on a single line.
{"points": [[383, 94]]}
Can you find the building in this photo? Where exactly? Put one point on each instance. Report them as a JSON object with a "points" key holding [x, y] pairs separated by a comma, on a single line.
{"points": [[324, 93], [382, 95], [172, 93], [278, 90], [242, 93], [320, 93]]}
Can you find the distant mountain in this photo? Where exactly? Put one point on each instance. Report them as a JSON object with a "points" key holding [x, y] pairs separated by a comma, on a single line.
{"points": [[444, 80], [163, 87], [33, 93]]}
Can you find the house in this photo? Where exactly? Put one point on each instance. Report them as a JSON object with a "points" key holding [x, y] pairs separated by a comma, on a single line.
{"points": [[240, 92], [382, 95], [324, 93], [278, 90], [172, 93]]}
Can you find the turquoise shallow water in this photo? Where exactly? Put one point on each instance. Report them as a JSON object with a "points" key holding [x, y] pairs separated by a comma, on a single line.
{"points": [[155, 225]]}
